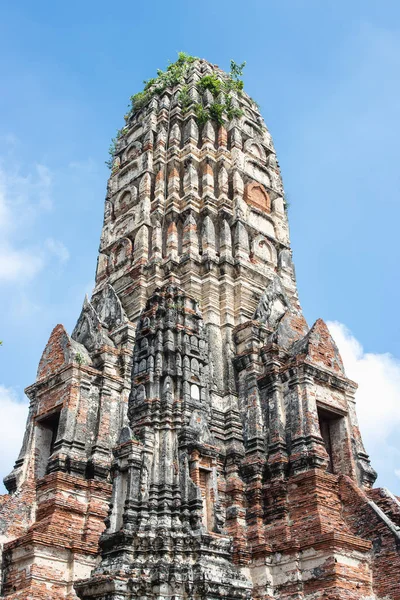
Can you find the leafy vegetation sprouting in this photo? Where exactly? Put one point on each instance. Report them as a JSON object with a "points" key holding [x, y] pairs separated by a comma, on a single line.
{"points": [[222, 107]]}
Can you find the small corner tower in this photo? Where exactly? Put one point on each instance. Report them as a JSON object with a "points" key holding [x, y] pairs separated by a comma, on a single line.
{"points": [[192, 407]]}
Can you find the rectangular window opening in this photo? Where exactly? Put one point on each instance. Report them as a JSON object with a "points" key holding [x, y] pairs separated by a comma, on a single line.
{"points": [[205, 485], [46, 437], [327, 422]]}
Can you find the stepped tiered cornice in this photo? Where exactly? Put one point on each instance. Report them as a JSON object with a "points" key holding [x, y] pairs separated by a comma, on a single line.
{"points": [[194, 438]]}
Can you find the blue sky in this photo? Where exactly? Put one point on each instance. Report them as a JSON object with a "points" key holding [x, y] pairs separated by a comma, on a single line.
{"points": [[326, 75]]}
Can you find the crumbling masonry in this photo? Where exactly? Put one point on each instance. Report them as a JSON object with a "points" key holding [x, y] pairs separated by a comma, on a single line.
{"points": [[193, 438]]}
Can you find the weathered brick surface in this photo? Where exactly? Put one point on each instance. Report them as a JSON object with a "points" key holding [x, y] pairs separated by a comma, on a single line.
{"points": [[193, 438], [367, 522]]}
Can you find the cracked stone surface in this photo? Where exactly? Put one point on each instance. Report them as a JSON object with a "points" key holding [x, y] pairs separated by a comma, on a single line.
{"points": [[194, 438]]}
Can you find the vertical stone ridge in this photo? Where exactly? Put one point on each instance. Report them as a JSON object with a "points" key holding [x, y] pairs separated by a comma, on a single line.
{"points": [[194, 385]]}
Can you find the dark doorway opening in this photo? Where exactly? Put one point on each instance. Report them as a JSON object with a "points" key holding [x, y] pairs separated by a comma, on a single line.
{"points": [[205, 484], [46, 437], [328, 425]]}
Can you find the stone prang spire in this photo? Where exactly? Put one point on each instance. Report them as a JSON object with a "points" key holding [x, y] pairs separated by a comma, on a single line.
{"points": [[192, 410]]}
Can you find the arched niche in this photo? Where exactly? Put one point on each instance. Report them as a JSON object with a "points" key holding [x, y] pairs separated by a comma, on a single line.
{"points": [[133, 151], [263, 250], [141, 393], [256, 195], [102, 263], [194, 392], [256, 150], [122, 203], [195, 367], [121, 254], [108, 211]]}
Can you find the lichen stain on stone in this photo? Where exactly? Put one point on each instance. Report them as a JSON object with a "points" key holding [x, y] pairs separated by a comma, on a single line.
{"points": [[193, 438]]}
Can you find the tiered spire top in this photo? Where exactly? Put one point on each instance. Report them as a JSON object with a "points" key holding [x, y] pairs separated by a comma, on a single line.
{"points": [[195, 86]]}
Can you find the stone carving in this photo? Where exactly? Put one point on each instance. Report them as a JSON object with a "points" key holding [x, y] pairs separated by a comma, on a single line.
{"points": [[223, 180], [263, 250], [190, 180], [273, 304], [121, 254], [255, 149], [108, 307], [103, 314], [133, 150], [60, 351], [256, 195], [208, 133], [193, 414], [285, 262], [175, 135], [89, 330]]}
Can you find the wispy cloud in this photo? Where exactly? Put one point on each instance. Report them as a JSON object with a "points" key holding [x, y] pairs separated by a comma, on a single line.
{"points": [[11, 428], [378, 398], [45, 181], [83, 166], [25, 193], [58, 249], [18, 264]]}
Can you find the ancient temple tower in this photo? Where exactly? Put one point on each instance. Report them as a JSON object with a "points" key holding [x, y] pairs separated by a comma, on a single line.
{"points": [[193, 438]]}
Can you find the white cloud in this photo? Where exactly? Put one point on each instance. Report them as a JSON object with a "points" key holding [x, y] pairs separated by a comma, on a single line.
{"points": [[5, 213], [378, 398], [45, 181], [23, 198], [23, 195], [12, 427], [58, 249], [83, 166], [89, 287], [10, 140], [23, 305], [18, 264]]}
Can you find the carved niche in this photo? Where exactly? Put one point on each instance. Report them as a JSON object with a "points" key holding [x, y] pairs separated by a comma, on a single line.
{"points": [[262, 250], [133, 151], [125, 201], [256, 196], [120, 254]]}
